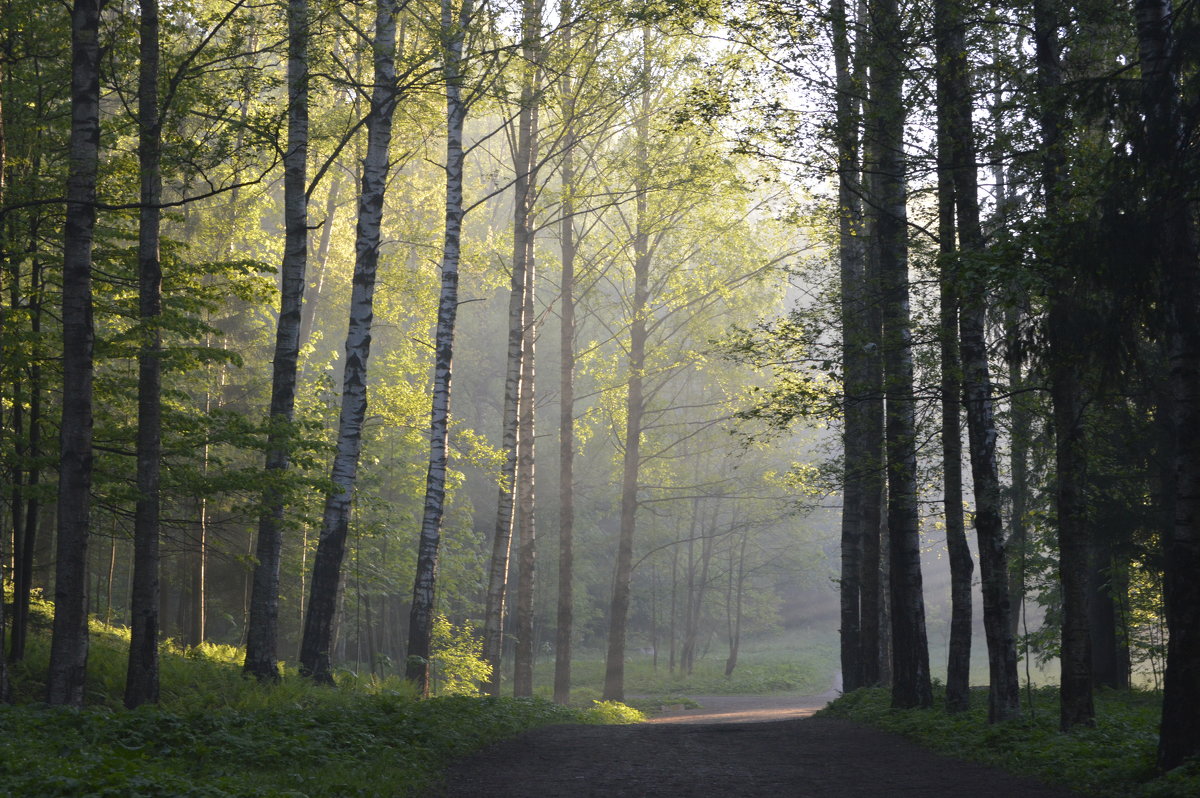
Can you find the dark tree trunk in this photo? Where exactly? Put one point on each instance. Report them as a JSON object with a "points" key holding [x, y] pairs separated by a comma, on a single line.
{"points": [[141, 681], [955, 96], [420, 626], [1170, 205], [317, 642], [262, 635], [855, 337], [910, 651], [1108, 593], [874, 621], [958, 665], [564, 627], [1066, 396], [69, 643]]}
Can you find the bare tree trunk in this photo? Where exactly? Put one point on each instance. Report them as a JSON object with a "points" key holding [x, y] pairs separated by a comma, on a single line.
{"points": [[910, 650], [737, 588], [1004, 695], [315, 661], [1065, 393], [618, 618], [69, 643], [1171, 208], [855, 338], [141, 681], [420, 627], [874, 623], [526, 528], [495, 609], [564, 628], [958, 666], [262, 636]]}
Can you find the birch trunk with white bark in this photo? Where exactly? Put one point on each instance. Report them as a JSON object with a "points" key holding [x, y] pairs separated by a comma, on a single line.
{"points": [[420, 627], [315, 660], [497, 594], [262, 633]]}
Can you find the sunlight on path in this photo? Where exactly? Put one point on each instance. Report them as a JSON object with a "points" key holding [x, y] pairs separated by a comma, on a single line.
{"points": [[745, 709]]}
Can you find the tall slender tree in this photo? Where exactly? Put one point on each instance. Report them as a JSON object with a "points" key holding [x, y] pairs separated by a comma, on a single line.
{"points": [[262, 634], [565, 616], [69, 641], [955, 104], [855, 338], [523, 194], [1177, 252], [910, 650], [141, 681], [635, 408], [1076, 707], [315, 661], [420, 625]]}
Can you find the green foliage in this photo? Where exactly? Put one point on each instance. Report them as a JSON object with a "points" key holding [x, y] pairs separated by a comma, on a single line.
{"points": [[1115, 758], [612, 712], [458, 664], [218, 733]]}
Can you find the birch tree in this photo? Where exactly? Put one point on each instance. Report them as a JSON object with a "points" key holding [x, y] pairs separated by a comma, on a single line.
{"points": [[523, 196], [315, 646], [262, 634], [425, 582]]}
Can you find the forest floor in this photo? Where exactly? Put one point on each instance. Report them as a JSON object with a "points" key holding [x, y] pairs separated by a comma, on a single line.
{"points": [[746, 746]]}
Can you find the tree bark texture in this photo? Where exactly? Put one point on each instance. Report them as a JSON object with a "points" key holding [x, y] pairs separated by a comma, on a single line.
{"points": [[497, 595], [141, 680], [262, 634], [1066, 395], [420, 625], [614, 665], [958, 666], [69, 642], [565, 616], [855, 338], [1004, 693], [910, 651], [873, 610], [526, 495], [317, 642], [1175, 237]]}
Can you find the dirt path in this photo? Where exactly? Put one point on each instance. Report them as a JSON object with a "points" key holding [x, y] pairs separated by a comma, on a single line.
{"points": [[743, 747]]}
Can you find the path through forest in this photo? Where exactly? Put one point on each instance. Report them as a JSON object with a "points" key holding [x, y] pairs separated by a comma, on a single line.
{"points": [[743, 746]]}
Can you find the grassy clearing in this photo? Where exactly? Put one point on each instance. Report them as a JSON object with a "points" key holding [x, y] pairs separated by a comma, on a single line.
{"points": [[1116, 758], [218, 734], [800, 664]]}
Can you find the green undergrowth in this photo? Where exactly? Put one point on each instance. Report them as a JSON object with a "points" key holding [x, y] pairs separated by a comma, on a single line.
{"points": [[1115, 758], [216, 733]]}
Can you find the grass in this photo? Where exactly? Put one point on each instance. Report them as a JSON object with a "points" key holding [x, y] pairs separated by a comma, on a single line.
{"points": [[217, 734], [799, 664], [1115, 758]]}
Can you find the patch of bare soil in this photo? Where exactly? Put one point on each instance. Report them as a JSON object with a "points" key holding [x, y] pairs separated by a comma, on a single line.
{"points": [[747, 746]]}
